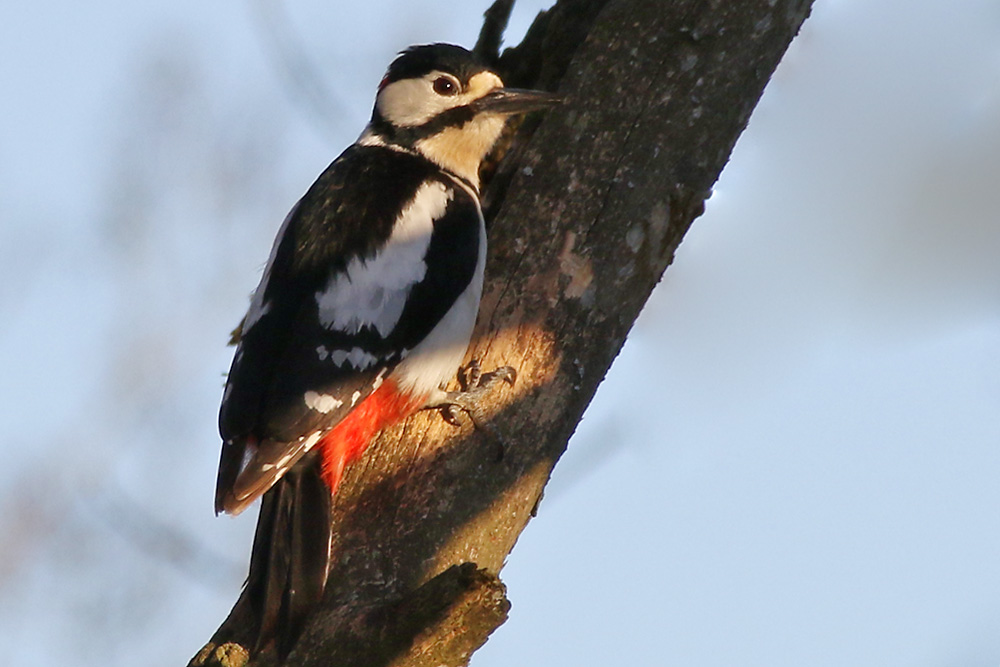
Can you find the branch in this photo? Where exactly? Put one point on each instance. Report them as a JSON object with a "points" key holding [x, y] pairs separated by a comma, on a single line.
{"points": [[588, 205]]}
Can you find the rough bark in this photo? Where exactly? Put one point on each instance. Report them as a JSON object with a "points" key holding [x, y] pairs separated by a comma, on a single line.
{"points": [[587, 207]]}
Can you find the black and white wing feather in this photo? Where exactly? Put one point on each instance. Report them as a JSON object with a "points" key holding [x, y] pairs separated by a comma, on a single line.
{"points": [[356, 280]]}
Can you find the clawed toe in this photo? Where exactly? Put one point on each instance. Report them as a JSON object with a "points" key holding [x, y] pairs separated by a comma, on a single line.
{"points": [[471, 377], [475, 385], [449, 412]]}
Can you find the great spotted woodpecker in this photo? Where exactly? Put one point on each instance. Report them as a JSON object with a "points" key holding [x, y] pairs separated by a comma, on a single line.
{"points": [[365, 309]]}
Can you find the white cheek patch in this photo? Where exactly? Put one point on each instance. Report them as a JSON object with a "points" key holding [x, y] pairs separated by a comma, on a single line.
{"points": [[410, 102], [413, 102], [373, 292]]}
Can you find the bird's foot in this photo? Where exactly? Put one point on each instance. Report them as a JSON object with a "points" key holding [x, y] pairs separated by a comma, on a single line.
{"points": [[475, 386]]}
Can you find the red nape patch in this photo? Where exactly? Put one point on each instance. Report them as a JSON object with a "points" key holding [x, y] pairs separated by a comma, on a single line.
{"points": [[348, 440]]}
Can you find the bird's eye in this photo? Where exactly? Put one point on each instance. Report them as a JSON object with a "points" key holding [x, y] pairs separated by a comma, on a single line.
{"points": [[445, 86]]}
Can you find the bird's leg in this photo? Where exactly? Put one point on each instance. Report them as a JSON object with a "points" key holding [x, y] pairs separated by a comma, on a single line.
{"points": [[474, 386]]}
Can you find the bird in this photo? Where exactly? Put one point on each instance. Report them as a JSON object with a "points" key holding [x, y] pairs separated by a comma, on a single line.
{"points": [[364, 311]]}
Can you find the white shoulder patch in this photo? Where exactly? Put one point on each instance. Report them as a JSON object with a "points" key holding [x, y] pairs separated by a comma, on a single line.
{"points": [[374, 292]]}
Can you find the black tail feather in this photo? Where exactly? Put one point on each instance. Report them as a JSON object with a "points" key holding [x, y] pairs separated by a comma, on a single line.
{"points": [[290, 558]]}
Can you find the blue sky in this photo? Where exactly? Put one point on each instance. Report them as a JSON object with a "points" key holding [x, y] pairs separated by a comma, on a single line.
{"points": [[793, 461]]}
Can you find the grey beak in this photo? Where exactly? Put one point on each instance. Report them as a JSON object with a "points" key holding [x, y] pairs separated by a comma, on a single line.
{"points": [[510, 101]]}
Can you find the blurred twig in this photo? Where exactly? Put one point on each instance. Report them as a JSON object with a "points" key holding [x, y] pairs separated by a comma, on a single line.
{"points": [[296, 71], [164, 542]]}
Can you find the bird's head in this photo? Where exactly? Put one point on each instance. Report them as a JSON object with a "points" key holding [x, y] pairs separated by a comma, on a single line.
{"points": [[441, 101]]}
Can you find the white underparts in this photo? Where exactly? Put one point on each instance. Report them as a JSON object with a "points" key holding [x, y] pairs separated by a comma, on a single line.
{"points": [[437, 357]]}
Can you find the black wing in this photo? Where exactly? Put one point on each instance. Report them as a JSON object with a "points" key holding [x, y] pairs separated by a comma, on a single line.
{"points": [[352, 283]]}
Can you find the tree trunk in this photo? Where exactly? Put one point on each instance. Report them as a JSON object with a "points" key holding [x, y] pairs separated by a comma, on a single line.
{"points": [[586, 209]]}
